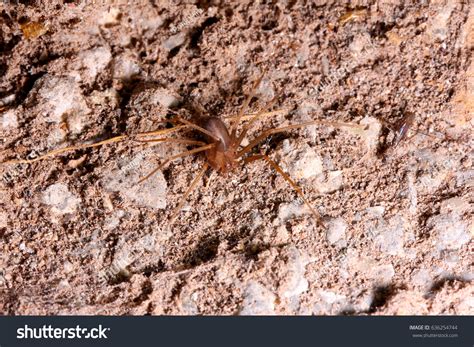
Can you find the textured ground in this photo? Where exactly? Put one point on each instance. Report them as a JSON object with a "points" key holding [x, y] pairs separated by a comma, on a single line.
{"points": [[77, 237]]}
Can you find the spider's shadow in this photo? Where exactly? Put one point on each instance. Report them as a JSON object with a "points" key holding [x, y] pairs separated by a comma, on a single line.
{"points": [[189, 103]]}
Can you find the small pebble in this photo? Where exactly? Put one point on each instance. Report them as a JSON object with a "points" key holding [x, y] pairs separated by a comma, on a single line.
{"points": [[294, 282], [174, 41], [166, 99], [111, 17], [95, 61], [331, 182], [336, 231], [438, 25], [126, 69], [383, 274], [61, 200], [287, 211], [450, 230], [371, 134], [258, 300], [150, 193], [391, 236], [10, 119], [329, 303], [62, 100], [302, 161]]}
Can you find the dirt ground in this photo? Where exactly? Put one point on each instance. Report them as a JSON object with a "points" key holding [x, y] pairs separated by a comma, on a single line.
{"points": [[78, 236]]}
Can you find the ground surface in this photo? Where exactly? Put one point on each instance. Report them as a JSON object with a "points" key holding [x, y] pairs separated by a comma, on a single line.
{"points": [[77, 237]]}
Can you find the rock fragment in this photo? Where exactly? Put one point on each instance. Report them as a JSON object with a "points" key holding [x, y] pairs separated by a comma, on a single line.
{"points": [[94, 61], [111, 17], [336, 231], [10, 119], [166, 99], [126, 69], [175, 41], [150, 193], [258, 300], [450, 230], [61, 100], [61, 200], [294, 282], [302, 161]]}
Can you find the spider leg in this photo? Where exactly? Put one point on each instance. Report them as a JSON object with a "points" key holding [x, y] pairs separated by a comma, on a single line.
{"points": [[249, 116], [172, 140], [162, 131], [198, 128], [233, 126], [269, 132], [66, 149], [254, 118], [115, 139], [180, 155], [288, 179], [187, 192]]}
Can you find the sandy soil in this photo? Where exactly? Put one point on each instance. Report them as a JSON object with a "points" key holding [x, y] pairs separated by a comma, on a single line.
{"points": [[78, 237]]}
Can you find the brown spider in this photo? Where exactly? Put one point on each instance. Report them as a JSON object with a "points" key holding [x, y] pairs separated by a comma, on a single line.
{"points": [[223, 148]]}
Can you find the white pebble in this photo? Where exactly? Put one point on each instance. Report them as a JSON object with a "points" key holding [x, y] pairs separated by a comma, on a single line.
{"points": [[383, 274], [10, 119], [3, 219], [302, 161], [258, 300], [265, 90], [456, 205], [333, 181], [62, 100], [293, 281], [61, 200], [287, 211], [438, 25], [68, 267], [451, 231], [336, 231], [166, 99], [7, 100], [391, 236], [94, 61], [125, 69], [371, 134], [308, 165], [375, 211], [152, 23], [113, 221], [150, 193], [329, 303], [422, 278], [175, 41], [111, 17]]}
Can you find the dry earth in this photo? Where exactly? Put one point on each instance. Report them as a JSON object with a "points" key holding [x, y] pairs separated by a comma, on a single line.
{"points": [[78, 237]]}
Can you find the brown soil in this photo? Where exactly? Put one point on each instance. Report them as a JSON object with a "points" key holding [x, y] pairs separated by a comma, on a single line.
{"points": [[77, 237]]}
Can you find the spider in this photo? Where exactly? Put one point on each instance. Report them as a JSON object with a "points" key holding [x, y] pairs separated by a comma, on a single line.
{"points": [[222, 145]]}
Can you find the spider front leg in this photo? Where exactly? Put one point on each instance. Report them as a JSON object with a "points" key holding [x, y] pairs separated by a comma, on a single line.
{"points": [[269, 132], [112, 140], [188, 191], [174, 157]]}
